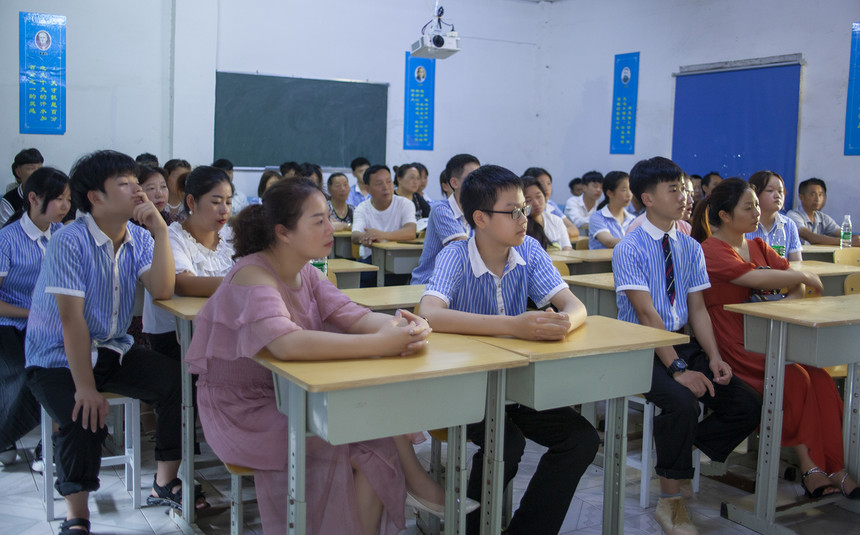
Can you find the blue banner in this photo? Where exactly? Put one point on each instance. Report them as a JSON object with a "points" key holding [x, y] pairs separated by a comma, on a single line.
{"points": [[43, 73], [626, 88], [852, 115], [418, 98]]}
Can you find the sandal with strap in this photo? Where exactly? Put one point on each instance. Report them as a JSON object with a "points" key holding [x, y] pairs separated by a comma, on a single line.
{"points": [[817, 492], [173, 499], [854, 494], [68, 526]]}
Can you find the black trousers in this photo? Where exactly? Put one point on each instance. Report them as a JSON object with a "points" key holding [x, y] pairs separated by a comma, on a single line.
{"points": [[572, 443], [19, 410], [736, 411], [143, 374]]}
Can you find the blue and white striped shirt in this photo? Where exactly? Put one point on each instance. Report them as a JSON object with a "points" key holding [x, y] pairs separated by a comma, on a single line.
{"points": [[446, 223], [80, 262], [638, 264], [603, 221], [792, 237], [22, 248], [462, 280]]}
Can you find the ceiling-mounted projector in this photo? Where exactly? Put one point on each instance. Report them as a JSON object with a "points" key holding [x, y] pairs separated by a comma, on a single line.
{"points": [[435, 42], [436, 46]]}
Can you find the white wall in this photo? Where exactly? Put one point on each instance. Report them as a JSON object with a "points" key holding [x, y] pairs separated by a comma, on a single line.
{"points": [[117, 83], [580, 39]]}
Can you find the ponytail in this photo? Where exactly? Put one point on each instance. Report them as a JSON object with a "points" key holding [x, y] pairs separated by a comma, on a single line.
{"points": [[701, 230]]}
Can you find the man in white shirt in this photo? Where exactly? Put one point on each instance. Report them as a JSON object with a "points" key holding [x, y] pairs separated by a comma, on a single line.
{"points": [[579, 209], [384, 216]]}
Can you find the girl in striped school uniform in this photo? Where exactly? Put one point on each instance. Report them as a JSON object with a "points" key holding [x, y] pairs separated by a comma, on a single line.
{"points": [[47, 199]]}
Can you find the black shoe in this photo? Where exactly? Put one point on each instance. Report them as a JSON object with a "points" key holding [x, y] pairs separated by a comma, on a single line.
{"points": [[38, 463]]}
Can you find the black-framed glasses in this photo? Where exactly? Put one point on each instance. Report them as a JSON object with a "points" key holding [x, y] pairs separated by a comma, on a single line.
{"points": [[515, 214]]}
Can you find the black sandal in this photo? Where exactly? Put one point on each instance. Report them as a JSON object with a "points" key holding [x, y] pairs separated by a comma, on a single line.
{"points": [[817, 492], [67, 527], [173, 499], [854, 494]]}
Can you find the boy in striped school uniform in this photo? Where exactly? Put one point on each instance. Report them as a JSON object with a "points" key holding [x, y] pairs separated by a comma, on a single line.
{"points": [[447, 224], [481, 286], [659, 278], [77, 344]]}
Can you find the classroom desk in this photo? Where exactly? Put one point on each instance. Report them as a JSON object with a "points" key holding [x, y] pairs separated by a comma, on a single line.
{"points": [[596, 291], [342, 244], [604, 359], [418, 241], [820, 332], [832, 275], [387, 299], [184, 309], [561, 256], [348, 271], [352, 400], [591, 261], [822, 253], [395, 257]]}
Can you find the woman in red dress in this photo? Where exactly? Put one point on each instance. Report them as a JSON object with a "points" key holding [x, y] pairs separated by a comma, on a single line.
{"points": [[812, 408]]}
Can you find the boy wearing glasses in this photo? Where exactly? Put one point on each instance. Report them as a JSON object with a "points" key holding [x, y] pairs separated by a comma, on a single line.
{"points": [[493, 274]]}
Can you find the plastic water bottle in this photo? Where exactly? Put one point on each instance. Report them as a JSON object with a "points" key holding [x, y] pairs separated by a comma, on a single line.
{"points": [[778, 240], [321, 264], [846, 232]]}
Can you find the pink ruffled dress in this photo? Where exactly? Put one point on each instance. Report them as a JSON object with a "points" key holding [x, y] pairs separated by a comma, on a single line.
{"points": [[242, 424]]}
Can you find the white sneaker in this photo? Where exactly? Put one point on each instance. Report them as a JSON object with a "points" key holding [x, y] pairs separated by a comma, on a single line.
{"points": [[38, 464], [673, 517], [8, 456]]}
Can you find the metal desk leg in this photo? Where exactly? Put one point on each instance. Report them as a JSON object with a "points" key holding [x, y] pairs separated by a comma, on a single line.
{"points": [[297, 424], [592, 301], [851, 429], [764, 515], [455, 483], [494, 455], [378, 259], [614, 463], [183, 327]]}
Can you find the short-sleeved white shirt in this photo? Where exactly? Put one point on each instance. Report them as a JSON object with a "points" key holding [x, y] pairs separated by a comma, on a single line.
{"points": [[555, 231], [400, 212]]}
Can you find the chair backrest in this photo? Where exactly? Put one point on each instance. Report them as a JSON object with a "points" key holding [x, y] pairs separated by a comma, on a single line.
{"points": [[562, 268], [850, 255], [355, 249], [852, 284], [582, 244], [332, 276]]}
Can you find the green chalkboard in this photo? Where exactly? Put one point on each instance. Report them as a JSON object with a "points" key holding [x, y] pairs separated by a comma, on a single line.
{"points": [[267, 120]]}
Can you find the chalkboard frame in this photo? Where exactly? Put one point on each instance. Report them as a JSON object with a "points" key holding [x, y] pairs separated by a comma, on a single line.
{"points": [[263, 120]]}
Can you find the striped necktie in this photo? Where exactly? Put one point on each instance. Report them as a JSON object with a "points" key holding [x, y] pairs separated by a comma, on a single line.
{"points": [[670, 270]]}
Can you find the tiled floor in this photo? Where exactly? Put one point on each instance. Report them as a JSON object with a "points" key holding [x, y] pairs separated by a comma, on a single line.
{"points": [[22, 511]]}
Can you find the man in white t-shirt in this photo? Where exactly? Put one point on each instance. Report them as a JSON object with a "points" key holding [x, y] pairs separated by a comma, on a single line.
{"points": [[384, 216]]}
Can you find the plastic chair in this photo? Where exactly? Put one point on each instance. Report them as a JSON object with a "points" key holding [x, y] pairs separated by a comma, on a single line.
{"points": [[581, 244], [562, 268], [850, 255], [852, 284], [130, 459], [644, 465]]}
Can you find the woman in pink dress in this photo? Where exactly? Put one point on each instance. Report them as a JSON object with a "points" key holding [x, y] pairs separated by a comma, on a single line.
{"points": [[738, 268], [273, 298]]}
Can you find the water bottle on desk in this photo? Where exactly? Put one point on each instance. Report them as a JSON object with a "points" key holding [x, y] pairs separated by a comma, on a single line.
{"points": [[846, 232], [321, 264], [778, 240]]}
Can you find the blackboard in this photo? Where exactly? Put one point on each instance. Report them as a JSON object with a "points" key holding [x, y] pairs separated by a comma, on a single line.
{"points": [[267, 120], [738, 122]]}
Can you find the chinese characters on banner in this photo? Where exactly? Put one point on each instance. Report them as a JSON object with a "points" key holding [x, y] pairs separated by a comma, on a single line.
{"points": [[418, 99], [852, 115], [43, 73], [626, 88]]}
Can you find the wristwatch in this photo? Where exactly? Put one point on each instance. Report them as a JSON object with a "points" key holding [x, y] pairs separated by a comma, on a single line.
{"points": [[678, 365]]}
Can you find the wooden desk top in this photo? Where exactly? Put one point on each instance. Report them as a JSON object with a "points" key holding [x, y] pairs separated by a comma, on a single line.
{"points": [[416, 241], [811, 312], [601, 281], [825, 269], [446, 354], [562, 256], [810, 248], [599, 335], [387, 297], [396, 245], [343, 234], [185, 308], [343, 265], [590, 255]]}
